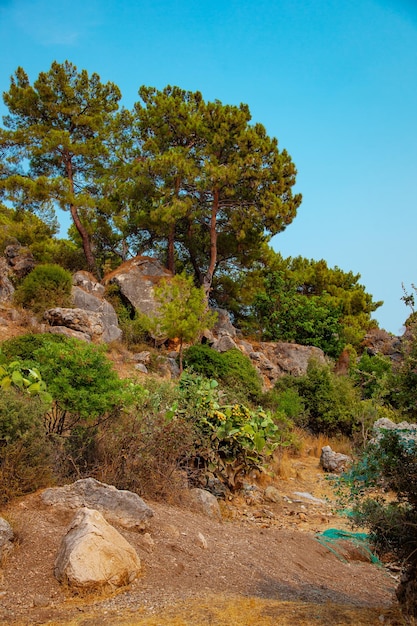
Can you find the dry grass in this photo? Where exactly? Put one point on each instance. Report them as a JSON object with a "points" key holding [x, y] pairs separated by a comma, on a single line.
{"points": [[238, 611]]}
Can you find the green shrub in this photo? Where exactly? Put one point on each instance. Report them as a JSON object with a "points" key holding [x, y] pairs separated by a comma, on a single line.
{"points": [[231, 440], [234, 370], [79, 377], [47, 286], [331, 402], [206, 361], [25, 451], [386, 467], [372, 375]]}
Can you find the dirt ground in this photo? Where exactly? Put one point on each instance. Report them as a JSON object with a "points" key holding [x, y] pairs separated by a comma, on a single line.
{"points": [[261, 565]]}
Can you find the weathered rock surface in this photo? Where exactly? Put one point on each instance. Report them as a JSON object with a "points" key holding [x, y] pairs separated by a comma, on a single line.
{"points": [[6, 285], [379, 341], [406, 430], [136, 280], [19, 259], [334, 462], [118, 506], [89, 302], [6, 538], [205, 502], [94, 554]]}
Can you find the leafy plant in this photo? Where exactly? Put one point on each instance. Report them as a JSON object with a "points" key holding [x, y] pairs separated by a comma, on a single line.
{"points": [[182, 311], [47, 286], [232, 368], [79, 377], [25, 452], [331, 402], [232, 439], [389, 465]]}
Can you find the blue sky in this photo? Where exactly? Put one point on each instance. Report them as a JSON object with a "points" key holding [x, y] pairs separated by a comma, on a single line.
{"points": [[334, 80]]}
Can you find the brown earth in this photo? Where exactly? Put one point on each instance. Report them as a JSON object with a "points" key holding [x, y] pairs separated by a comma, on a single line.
{"points": [[261, 565]]}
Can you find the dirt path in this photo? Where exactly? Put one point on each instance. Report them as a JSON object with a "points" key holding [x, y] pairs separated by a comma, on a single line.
{"points": [[243, 570]]}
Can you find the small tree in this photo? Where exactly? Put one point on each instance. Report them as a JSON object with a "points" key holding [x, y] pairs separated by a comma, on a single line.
{"points": [[182, 311]]}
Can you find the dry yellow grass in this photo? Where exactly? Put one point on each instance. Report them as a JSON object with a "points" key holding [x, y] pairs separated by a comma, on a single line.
{"points": [[238, 611]]}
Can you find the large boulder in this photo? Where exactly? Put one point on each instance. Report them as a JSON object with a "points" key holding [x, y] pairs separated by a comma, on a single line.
{"points": [[119, 506], [93, 554], [291, 358], [91, 303], [333, 462], [86, 323], [204, 502], [136, 280]]}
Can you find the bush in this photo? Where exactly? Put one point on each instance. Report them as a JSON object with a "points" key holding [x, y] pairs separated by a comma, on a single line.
{"points": [[231, 440], [25, 452], [79, 377], [144, 448], [390, 464], [232, 368], [331, 402], [47, 286]]}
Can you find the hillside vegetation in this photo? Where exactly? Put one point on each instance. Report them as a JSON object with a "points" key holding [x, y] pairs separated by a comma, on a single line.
{"points": [[198, 186]]}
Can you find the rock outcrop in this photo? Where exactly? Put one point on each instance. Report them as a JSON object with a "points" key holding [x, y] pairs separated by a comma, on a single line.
{"points": [[93, 554], [125, 508], [334, 462], [91, 318], [136, 280]]}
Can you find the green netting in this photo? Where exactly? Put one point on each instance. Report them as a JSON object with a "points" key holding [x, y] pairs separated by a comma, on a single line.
{"points": [[330, 537]]}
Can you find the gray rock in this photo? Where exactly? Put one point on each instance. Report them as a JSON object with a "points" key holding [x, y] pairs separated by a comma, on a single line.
{"points": [[82, 321], [224, 343], [19, 259], [89, 302], [204, 502], [93, 554], [142, 357], [272, 494], [136, 280], [6, 538], [6, 285], [223, 325], [63, 330], [334, 462], [88, 283], [121, 507], [141, 367]]}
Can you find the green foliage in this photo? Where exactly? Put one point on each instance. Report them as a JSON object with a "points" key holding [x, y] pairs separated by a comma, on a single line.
{"points": [[232, 368], [24, 379], [288, 298], [218, 184], [25, 452], [285, 314], [331, 402], [389, 466], [182, 311], [232, 439], [47, 286], [55, 144], [25, 227], [79, 377], [372, 375], [404, 380]]}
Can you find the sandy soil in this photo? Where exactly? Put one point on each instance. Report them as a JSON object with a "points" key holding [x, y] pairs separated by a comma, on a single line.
{"points": [[265, 551]]}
